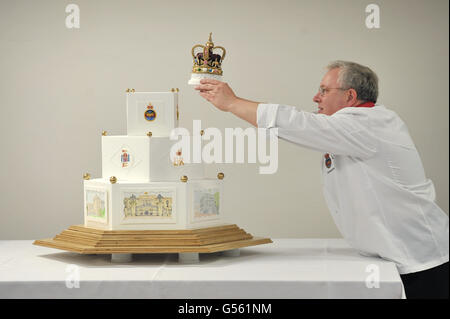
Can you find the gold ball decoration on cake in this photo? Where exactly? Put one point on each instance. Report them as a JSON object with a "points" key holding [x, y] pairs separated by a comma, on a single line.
{"points": [[220, 175], [132, 90], [104, 133], [149, 134], [113, 179], [202, 132], [184, 178], [177, 89], [86, 176], [128, 91], [172, 90]]}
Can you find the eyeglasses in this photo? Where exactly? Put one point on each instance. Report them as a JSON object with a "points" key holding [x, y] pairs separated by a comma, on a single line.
{"points": [[323, 91]]}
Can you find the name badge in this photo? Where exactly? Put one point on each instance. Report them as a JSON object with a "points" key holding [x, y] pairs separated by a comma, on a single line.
{"points": [[329, 162]]}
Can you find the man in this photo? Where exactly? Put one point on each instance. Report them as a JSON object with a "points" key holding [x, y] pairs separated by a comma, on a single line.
{"points": [[374, 182]]}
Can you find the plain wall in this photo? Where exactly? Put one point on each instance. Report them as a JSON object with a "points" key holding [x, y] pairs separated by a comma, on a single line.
{"points": [[61, 87]]}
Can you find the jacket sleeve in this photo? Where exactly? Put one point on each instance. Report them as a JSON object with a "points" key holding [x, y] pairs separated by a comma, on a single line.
{"points": [[343, 133]]}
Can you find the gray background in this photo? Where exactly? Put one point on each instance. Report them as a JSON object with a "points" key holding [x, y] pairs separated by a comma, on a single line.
{"points": [[61, 87]]}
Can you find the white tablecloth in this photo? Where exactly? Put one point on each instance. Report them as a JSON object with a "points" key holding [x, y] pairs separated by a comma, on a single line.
{"points": [[288, 268]]}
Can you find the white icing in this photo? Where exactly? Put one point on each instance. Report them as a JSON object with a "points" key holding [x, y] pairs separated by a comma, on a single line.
{"points": [[196, 77]]}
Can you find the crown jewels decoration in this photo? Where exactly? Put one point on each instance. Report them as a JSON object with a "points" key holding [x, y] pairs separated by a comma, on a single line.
{"points": [[207, 64]]}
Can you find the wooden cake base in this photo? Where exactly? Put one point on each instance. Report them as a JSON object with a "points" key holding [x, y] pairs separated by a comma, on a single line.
{"points": [[122, 243]]}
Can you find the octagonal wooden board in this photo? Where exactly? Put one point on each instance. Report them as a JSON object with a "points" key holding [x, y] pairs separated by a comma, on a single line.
{"points": [[86, 240]]}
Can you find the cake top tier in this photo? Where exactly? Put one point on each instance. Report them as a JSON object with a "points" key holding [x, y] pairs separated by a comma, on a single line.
{"points": [[155, 112]]}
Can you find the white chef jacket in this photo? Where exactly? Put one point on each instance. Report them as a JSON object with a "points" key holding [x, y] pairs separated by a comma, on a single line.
{"points": [[373, 182]]}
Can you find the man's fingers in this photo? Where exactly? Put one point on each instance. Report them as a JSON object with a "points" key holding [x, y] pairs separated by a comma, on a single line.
{"points": [[210, 81], [206, 95], [204, 87]]}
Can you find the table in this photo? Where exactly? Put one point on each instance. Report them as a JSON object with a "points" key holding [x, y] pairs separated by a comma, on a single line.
{"points": [[287, 268]]}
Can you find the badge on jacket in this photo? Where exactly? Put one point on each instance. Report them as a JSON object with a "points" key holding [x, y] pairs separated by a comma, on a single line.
{"points": [[329, 162]]}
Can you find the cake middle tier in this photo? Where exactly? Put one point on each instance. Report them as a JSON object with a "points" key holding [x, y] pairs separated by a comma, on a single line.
{"points": [[143, 158]]}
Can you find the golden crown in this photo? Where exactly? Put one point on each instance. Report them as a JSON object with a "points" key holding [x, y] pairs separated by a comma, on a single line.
{"points": [[207, 61]]}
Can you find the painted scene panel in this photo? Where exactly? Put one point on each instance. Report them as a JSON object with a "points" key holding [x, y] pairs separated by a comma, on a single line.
{"points": [[96, 203], [206, 202], [152, 204]]}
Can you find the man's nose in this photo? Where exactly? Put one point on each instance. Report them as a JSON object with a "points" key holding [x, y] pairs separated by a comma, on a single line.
{"points": [[316, 98]]}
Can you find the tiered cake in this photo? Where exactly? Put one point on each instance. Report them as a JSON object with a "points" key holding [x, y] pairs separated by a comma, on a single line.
{"points": [[141, 187], [148, 201]]}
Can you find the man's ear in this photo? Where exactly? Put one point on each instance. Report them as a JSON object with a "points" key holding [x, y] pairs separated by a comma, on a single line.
{"points": [[352, 95]]}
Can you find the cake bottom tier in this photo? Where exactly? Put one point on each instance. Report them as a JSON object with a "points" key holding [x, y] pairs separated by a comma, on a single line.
{"points": [[131, 205]]}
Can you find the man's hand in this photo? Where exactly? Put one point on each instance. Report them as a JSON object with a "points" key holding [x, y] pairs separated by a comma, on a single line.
{"points": [[218, 93]]}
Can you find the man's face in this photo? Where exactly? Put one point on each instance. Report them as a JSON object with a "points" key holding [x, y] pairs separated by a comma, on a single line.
{"points": [[333, 98]]}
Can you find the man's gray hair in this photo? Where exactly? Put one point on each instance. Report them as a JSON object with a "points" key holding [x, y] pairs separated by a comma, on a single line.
{"points": [[358, 77]]}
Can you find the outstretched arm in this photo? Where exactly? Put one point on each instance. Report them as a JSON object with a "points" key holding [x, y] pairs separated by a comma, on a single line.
{"points": [[223, 97], [346, 133]]}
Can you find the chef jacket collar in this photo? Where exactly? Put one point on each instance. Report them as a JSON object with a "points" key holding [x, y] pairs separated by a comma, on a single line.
{"points": [[367, 104]]}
